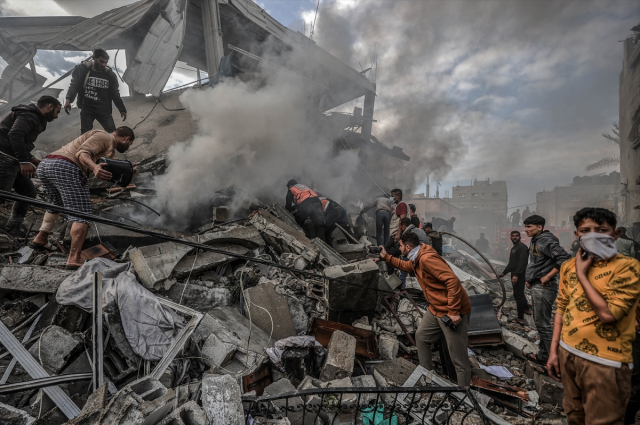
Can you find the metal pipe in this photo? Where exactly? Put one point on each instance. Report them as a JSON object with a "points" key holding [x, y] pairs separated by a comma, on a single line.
{"points": [[504, 291], [7, 372], [97, 219], [49, 381], [97, 349], [347, 234]]}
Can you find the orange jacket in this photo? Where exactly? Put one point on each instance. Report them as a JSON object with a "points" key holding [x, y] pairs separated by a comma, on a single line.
{"points": [[440, 285], [301, 192]]}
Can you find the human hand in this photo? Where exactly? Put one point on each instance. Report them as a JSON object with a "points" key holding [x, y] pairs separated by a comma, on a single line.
{"points": [[501, 275], [527, 283], [553, 366], [27, 170], [455, 319], [67, 106], [514, 279], [545, 281], [135, 170], [123, 115], [383, 253], [101, 173], [35, 161], [582, 265]]}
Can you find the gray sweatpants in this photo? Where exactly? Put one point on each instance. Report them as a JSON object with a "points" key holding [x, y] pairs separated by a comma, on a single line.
{"points": [[430, 330]]}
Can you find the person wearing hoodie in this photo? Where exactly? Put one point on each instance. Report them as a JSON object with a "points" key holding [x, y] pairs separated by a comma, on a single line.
{"points": [[595, 324], [96, 86], [449, 305], [545, 258], [18, 133]]}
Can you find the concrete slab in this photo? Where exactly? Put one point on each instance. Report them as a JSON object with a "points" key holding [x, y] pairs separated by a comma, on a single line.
{"points": [[199, 297], [11, 416], [187, 414], [395, 372], [55, 347], [283, 237], [37, 279], [221, 400], [341, 353], [344, 297], [218, 352], [206, 261], [269, 310]]}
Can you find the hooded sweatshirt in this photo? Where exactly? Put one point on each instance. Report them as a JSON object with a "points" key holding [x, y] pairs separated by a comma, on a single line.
{"points": [[19, 131], [545, 254], [422, 236]]}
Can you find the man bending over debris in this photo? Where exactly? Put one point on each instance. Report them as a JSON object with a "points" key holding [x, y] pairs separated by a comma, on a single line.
{"points": [[449, 305], [545, 258], [334, 214], [18, 133], [594, 325], [96, 86], [304, 203], [64, 175]]}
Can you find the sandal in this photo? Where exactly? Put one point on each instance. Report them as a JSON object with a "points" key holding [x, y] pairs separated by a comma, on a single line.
{"points": [[517, 322], [48, 247], [541, 369], [72, 267], [533, 358]]}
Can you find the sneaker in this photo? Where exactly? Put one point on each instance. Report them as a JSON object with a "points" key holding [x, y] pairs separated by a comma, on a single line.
{"points": [[16, 232]]}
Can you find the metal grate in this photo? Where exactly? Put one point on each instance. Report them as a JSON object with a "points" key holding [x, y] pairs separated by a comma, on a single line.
{"points": [[420, 405]]}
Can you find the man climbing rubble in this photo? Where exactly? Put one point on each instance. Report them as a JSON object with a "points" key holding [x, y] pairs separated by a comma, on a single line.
{"points": [[65, 178], [545, 258], [96, 86], [384, 209], [334, 215], [18, 133], [449, 305], [304, 203]]}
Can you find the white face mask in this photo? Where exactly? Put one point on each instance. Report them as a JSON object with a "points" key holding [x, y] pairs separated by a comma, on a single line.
{"points": [[599, 245], [391, 199]]}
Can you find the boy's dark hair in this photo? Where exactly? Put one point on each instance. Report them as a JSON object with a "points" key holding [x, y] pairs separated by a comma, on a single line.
{"points": [[412, 207], [125, 131], [535, 219], [428, 225], [406, 221], [514, 232], [410, 239], [398, 191], [100, 53], [599, 215], [48, 100]]}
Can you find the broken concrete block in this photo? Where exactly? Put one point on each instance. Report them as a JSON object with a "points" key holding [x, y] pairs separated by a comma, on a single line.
{"points": [[69, 317], [328, 254], [269, 310], [55, 347], [14, 313], [12, 416], [221, 400], [220, 214], [394, 372], [38, 279], [199, 297], [516, 343], [247, 236], [283, 237], [347, 297], [298, 315], [205, 328], [187, 414], [388, 346], [341, 352], [218, 352], [154, 263], [206, 260], [549, 390], [154, 401]]}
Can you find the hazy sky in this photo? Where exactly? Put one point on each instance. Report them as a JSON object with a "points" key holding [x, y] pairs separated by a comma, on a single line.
{"points": [[511, 90]]}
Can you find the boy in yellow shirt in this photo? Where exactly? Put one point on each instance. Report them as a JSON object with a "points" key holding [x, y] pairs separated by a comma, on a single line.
{"points": [[594, 325]]}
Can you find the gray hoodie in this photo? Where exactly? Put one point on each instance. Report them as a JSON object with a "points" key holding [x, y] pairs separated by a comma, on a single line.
{"points": [[545, 254]]}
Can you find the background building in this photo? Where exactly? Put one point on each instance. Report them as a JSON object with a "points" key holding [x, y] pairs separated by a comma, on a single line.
{"points": [[559, 205], [630, 132], [483, 196], [426, 208]]}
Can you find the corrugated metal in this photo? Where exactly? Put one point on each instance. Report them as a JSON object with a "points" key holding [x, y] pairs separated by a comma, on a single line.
{"points": [[159, 51], [97, 30], [17, 55]]}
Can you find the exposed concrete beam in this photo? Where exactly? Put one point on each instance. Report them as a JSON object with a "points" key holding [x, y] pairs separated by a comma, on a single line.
{"points": [[212, 35], [367, 114]]}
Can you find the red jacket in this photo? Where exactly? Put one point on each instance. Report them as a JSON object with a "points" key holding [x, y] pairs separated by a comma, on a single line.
{"points": [[440, 285]]}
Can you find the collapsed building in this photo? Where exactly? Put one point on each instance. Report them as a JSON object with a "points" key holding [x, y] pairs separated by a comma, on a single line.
{"points": [[247, 318]]}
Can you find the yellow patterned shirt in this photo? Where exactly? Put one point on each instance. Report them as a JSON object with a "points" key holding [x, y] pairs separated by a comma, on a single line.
{"points": [[618, 281]]}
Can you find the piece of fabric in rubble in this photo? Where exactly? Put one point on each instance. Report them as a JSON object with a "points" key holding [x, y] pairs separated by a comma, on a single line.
{"points": [[305, 341], [149, 326]]}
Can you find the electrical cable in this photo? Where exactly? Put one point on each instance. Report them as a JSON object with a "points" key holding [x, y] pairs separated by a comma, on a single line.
{"points": [[115, 65], [145, 118], [102, 220], [137, 202]]}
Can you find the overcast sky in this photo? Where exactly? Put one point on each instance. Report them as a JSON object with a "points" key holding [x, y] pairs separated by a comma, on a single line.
{"points": [[511, 90]]}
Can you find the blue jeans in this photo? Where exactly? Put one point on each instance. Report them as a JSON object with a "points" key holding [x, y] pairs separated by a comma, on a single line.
{"points": [[383, 220], [542, 298]]}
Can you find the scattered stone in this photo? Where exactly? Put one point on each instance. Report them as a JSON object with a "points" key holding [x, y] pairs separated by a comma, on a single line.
{"points": [[194, 265], [516, 343], [341, 352], [55, 347], [298, 315], [221, 400], [199, 297], [388, 346], [549, 390], [187, 414], [285, 238], [154, 263], [218, 352], [394, 372], [36, 279], [12, 416]]}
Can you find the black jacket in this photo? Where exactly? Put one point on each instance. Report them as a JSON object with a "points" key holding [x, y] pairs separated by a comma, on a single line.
{"points": [[78, 77], [19, 131], [436, 241], [545, 254], [518, 259]]}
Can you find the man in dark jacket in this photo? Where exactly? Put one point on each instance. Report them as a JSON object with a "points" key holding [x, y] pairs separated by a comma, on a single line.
{"points": [[545, 258], [434, 237], [18, 133], [334, 214], [518, 259], [96, 86], [482, 244]]}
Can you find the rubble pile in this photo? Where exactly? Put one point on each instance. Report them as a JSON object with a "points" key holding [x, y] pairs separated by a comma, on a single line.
{"points": [[192, 336]]}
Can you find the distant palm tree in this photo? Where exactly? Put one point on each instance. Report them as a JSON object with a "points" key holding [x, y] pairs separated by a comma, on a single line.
{"points": [[609, 161]]}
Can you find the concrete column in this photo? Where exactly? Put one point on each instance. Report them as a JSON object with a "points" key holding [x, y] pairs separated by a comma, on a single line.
{"points": [[130, 55], [367, 123], [212, 35]]}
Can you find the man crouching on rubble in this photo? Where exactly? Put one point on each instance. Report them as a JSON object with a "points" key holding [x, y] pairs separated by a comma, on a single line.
{"points": [[594, 325], [449, 305], [65, 177]]}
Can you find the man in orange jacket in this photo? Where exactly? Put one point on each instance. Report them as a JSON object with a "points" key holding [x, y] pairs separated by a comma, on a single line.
{"points": [[304, 203], [449, 305]]}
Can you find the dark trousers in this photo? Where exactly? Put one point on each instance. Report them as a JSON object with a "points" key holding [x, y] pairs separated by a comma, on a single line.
{"points": [[518, 294], [311, 208], [634, 401], [88, 116], [11, 178], [543, 298], [336, 215], [383, 221]]}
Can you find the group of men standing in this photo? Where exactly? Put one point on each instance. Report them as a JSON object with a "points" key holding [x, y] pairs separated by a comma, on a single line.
{"points": [[65, 173]]}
